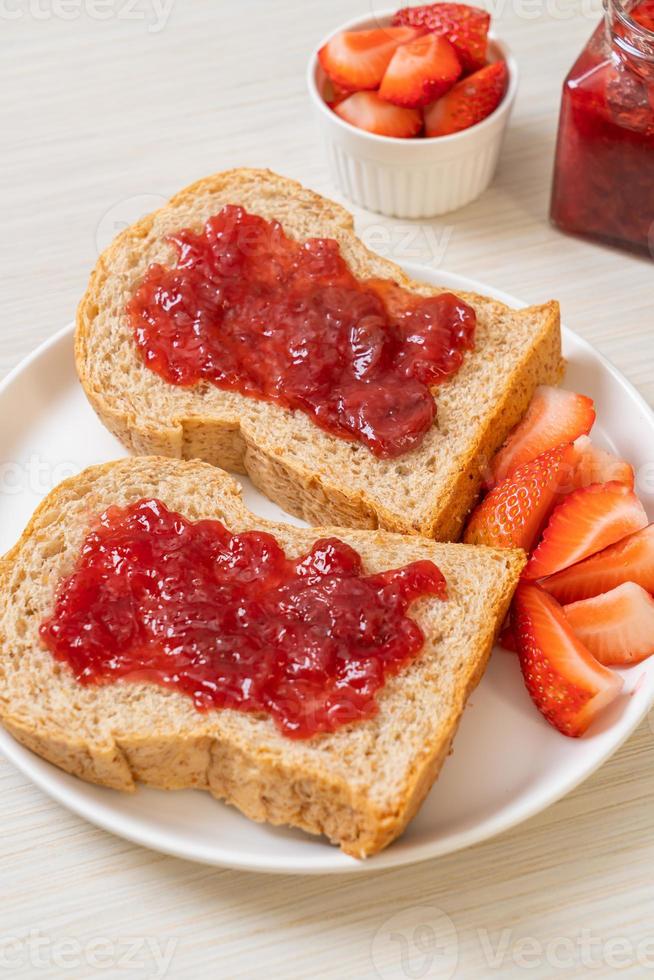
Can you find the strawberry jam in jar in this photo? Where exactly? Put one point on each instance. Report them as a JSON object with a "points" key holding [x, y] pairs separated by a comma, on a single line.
{"points": [[604, 173]]}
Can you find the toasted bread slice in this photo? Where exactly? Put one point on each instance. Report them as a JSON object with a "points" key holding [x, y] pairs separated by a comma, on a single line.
{"points": [[359, 785], [317, 476]]}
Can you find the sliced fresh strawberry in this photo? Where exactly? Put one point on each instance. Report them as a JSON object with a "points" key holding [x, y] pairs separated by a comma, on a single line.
{"points": [[514, 512], [596, 465], [630, 560], [367, 111], [584, 523], [333, 93], [465, 27], [567, 685], [507, 638], [357, 60], [554, 416], [617, 627], [420, 72], [467, 102]]}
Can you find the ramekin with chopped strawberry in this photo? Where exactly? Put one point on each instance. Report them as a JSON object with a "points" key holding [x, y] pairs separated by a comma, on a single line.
{"points": [[413, 105], [426, 74], [584, 605]]}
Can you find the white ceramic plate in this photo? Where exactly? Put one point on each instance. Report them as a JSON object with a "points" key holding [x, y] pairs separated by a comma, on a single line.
{"points": [[508, 764]]}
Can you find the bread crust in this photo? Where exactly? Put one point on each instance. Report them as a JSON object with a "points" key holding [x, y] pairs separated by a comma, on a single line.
{"points": [[240, 759], [227, 437]]}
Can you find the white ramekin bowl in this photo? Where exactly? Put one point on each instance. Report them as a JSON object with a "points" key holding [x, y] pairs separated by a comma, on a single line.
{"points": [[411, 178]]}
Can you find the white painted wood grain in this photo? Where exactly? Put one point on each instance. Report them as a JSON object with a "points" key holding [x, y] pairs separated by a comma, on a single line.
{"points": [[95, 113]]}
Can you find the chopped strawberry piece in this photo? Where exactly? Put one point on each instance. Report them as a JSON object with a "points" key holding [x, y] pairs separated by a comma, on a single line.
{"points": [[465, 27], [367, 111], [596, 465], [420, 72], [515, 511], [333, 93], [467, 102], [357, 60], [617, 627], [567, 685], [554, 416], [630, 560], [584, 523]]}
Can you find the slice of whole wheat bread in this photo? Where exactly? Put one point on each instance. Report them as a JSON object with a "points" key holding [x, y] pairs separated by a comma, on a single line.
{"points": [[317, 476], [359, 785]]}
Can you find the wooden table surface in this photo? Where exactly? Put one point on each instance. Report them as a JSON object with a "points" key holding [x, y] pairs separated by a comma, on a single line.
{"points": [[107, 107]]}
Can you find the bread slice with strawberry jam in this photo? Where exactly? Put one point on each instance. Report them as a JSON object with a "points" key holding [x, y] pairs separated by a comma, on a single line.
{"points": [[305, 469], [359, 785]]}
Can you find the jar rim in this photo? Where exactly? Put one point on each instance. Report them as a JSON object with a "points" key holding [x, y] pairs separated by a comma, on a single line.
{"points": [[627, 20]]}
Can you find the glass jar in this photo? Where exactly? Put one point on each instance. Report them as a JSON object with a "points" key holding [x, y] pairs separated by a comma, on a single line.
{"points": [[604, 171]]}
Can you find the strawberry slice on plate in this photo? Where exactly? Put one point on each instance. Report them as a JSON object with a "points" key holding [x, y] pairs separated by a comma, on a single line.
{"points": [[554, 416], [465, 27], [617, 627], [630, 560], [596, 465], [367, 111], [507, 639], [357, 60], [585, 522], [420, 71], [566, 683], [467, 102], [514, 512]]}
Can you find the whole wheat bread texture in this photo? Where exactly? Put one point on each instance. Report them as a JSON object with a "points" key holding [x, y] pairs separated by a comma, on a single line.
{"points": [[359, 785], [317, 476]]}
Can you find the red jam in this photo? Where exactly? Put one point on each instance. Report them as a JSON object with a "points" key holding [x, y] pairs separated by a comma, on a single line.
{"points": [[230, 621], [254, 311], [604, 175]]}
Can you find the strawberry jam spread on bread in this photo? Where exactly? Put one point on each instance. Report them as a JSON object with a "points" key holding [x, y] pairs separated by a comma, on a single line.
{"points": [[232, 622], [251, 310]]}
